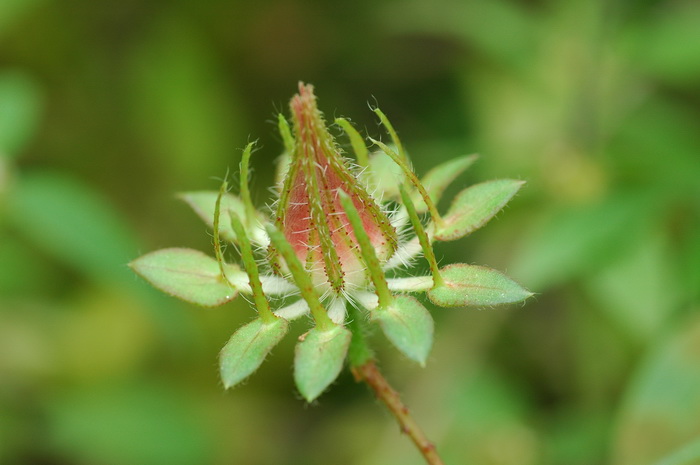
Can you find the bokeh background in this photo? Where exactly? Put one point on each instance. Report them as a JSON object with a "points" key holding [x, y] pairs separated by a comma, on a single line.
{"points": [[108, 108]]}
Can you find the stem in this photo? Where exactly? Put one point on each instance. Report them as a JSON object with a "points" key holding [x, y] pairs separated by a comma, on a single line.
{"points": [[414, 180], [251, 267], [286, 133], [218, 252], [370, 374], [359, 352], [244, 190], [422, 237], [392, 133]]}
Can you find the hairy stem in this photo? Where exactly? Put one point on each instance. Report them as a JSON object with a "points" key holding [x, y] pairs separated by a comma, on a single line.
{"points": [[370, 374], [359, 352]]}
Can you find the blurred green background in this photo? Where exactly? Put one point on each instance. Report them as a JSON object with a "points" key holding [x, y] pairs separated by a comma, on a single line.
{"points": [[108, 108]]}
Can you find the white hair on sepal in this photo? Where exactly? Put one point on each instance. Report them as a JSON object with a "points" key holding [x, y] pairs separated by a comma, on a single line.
{"points": [[347, 294], [364, 176], [336, 310], [271, 207], [405, 254], [327, 293], [294, 310], [259, 236], [240, 281], [354, 167], [399, 219], [260, 249], [278, 286], [366, 299], [410, 284]]}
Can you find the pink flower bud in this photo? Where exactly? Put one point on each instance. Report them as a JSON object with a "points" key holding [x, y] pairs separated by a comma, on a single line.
{"points": [[309, 212]]}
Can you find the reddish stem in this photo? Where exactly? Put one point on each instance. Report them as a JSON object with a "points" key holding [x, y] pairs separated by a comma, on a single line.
{"points": [[370, 374]]}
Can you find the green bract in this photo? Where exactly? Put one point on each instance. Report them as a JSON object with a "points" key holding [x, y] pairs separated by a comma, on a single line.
{"points": [[408, 325], [333, 236], [248, 347], [189, 275], [438, 178], [474, 207], [319, 358], [475, 285]]}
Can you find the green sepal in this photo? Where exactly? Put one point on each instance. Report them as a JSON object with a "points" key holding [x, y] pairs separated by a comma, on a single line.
{"points": [[408, 325], [439, 178], [319, 358], [474, 207], [189, 275], [475, 285], [203, 204], [247, 349]]}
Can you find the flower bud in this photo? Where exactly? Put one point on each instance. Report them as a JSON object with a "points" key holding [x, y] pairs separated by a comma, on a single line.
{"points": [[309, 211]]}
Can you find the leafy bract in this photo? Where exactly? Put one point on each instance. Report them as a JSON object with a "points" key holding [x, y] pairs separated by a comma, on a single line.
{"points": [[475, 206], [408, 325], [203, 203], [247, 349], [189, 275], [475, 285], [318, 359], [439, 178]]}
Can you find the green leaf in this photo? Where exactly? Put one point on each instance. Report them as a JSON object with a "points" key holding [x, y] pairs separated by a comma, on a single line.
{"points": [[20, 108], [247, 349], [475, 285], [318, 359], [408, 325], [203, 202], [667, 44], [136, 418], [512, 48], [474, 206], [574, 241], [640, 290], [189, 275], [438, 178], [659, 411], [181, 100], [686, 455], [74, 223]]}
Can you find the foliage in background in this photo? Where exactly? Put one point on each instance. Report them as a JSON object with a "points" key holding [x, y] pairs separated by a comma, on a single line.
{"points": [[595, 103]]}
